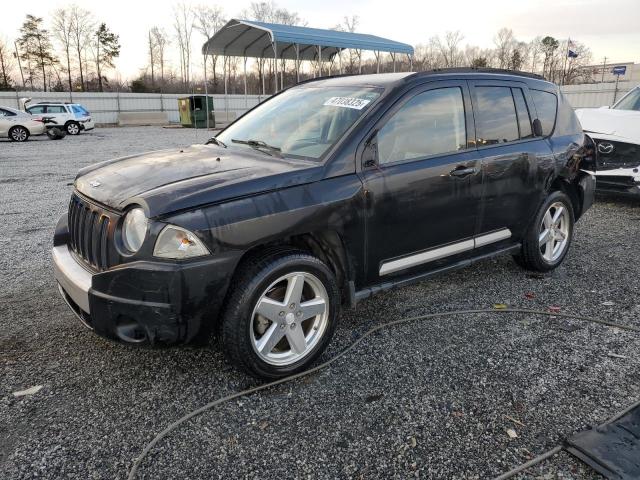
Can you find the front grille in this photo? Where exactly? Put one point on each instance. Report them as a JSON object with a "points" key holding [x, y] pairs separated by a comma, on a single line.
{"points": [[90, 232]]}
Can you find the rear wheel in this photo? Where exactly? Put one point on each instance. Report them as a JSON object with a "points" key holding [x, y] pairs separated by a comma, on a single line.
{"points": [[547, 240], [19, 134], [280, 315], [73, 128]]}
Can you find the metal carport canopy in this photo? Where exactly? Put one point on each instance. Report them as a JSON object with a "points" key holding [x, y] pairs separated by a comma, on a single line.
{"points": [[249, 38]]}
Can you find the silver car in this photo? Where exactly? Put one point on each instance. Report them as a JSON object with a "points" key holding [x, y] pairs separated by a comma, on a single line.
{"points": [[19, 126]]}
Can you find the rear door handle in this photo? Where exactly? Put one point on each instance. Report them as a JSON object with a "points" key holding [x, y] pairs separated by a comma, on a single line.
{"points": [[462, 171]]}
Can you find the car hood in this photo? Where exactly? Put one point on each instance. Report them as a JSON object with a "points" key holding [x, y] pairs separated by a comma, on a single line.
{"points": [[167, 181], [621, 123]]}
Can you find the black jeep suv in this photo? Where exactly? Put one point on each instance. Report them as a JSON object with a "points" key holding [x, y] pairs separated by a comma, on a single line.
{"points": [[324, 194]]}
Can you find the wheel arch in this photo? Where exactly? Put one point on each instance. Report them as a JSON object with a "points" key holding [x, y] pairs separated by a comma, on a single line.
{"points": [[572, 190], [327, 245]]}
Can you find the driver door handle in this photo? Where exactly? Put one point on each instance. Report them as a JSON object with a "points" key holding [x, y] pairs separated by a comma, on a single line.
{"points": [[462, 171]]}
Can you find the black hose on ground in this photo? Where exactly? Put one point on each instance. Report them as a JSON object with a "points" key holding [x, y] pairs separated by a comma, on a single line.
{"points": [[321, 366]]}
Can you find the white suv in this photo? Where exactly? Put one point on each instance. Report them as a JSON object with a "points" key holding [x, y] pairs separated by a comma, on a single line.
{"points": [[73, 116]]}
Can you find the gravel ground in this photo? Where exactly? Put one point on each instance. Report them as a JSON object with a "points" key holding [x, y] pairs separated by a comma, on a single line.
{"points": [[430, 399]]}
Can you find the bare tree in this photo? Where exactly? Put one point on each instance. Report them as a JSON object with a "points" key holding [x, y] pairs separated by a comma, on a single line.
{"points": [[158, 41], [350, 24], [62, 31], [82, 26], [449, 48], [6, 64], [503, 41], [183, 25], [208, 20]]}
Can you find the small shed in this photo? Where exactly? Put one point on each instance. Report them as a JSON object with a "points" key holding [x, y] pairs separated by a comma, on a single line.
{"points": [[196, 111]]}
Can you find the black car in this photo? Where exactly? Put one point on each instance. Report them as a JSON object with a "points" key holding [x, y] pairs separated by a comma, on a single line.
{"points": [[319, 197]]}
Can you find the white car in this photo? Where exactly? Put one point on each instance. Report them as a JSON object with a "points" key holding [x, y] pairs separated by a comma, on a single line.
{"points": [[616, 132], [73, 116], [18, 126]]}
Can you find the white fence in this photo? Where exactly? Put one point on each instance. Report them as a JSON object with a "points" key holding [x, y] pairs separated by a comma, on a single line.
{"points": [[595, 94], [105, 107]]}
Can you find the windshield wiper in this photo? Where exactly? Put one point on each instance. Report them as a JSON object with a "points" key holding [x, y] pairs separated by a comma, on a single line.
{"points": [[215, 141], [258, 145]]}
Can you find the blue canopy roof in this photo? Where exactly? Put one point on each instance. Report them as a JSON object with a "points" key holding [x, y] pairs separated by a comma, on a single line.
{"points": [[249, 38]]}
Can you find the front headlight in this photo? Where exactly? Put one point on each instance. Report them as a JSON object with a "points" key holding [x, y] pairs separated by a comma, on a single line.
{"points": [[176, 242], [134, 229]]}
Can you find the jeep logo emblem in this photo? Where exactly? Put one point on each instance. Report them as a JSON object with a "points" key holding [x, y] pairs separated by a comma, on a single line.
{"points": [[94, 183], [606, 148]]}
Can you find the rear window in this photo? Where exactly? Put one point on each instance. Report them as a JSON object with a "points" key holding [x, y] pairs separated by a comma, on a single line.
{"points": [[37, 109], [546, 105], [56, 109], [79, 109], [496, 114]]}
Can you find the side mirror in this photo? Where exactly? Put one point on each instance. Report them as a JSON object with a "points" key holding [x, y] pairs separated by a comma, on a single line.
{"points": [[370, 152], [537, 128]]}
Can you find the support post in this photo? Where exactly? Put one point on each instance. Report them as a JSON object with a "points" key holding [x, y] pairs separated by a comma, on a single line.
{"points": [[319, 61], [340, 60], [275, 65], [360, 62], [226, 98], [297, 63], [206, 92], [393, 56], [264, 92], [410, 61], [246, 104], [377, 62]]}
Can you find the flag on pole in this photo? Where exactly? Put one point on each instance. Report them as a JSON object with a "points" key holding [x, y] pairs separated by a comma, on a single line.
{"points": [[571, 49]]}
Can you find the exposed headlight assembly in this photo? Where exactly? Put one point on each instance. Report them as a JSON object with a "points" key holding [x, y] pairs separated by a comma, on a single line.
{"points": [[134, 229], [177, 243]]}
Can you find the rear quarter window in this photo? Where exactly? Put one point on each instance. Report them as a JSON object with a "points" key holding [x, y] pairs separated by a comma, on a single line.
{"points": [[546, 106]]}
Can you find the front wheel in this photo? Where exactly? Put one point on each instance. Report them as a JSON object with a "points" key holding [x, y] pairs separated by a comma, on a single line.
{"points": [[547, 240], [281, 314]]}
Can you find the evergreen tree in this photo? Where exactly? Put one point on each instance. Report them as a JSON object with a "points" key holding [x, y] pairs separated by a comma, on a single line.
{"points": [[107, 48], [36, 48]]}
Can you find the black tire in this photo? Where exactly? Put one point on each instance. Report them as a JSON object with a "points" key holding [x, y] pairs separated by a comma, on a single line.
{"points": [[56, 133], [252, 279], [18, 134], [73, 128], [531, 256]]}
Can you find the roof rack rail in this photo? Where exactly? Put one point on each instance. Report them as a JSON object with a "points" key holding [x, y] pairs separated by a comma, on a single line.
{"points": [[51, 103], [482, 70]]}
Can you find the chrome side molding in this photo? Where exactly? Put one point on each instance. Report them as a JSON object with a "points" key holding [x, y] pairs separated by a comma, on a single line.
{"points": [[442, 252]]}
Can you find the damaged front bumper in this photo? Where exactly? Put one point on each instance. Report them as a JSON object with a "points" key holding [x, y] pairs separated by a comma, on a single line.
{"points": [[152, 302], [620, 180]]}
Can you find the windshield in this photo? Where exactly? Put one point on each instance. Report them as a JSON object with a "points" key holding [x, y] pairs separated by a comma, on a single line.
{"points": [[631, 101], [302, 122]]}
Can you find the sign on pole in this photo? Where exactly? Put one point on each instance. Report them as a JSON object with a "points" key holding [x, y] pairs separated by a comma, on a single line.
{"points": [[619, 70]]}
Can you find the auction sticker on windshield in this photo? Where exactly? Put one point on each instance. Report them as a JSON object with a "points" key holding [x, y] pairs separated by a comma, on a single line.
{"points": [[347, 102]]}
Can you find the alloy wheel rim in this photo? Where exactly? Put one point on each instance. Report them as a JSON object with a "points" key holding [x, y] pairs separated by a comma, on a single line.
{"points": [[290, 318], [19, 134], [73, 128], [553, 237]]}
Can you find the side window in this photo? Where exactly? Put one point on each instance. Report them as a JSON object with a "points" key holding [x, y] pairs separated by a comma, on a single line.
{"points": [[524, 120], [56, 109], [496, 116], [629, 102], [431, 123], [546, 105], [6, 113], [35, 110]]}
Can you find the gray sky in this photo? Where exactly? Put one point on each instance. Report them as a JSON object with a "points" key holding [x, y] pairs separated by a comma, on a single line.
{"points": [[608, 27]]}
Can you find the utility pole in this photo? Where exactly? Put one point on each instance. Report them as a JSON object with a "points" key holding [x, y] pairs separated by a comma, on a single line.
{"points": [[15, 45], [604, 67]]}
